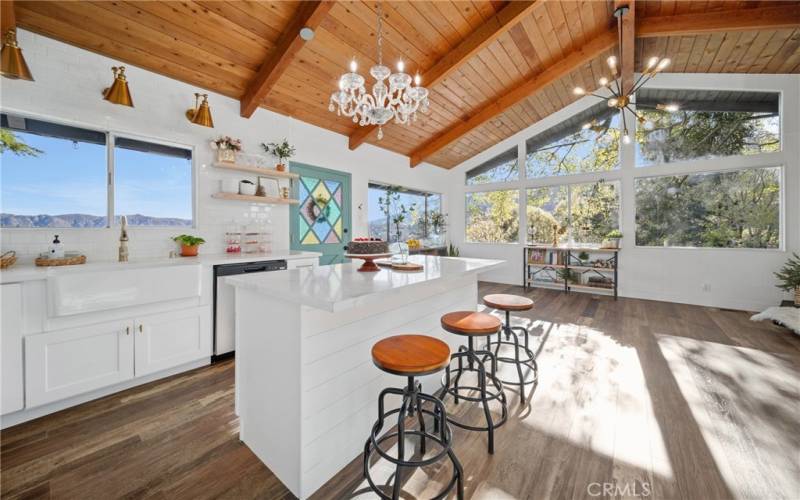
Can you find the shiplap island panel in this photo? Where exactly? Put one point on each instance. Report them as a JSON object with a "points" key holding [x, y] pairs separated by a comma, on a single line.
{"points": [[306, 386]]}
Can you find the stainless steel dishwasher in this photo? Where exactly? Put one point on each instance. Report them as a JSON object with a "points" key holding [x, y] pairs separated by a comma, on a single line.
{"points": [[224, 332]]}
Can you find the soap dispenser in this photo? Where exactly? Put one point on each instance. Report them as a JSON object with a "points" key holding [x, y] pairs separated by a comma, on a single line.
{"points": [[56, 249]]}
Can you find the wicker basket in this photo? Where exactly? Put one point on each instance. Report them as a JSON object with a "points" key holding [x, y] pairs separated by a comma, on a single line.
{"points": [[66, 261], [8, 259]]}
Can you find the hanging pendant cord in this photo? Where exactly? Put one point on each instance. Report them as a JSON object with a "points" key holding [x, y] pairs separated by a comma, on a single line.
{"points": [[380, 35]]}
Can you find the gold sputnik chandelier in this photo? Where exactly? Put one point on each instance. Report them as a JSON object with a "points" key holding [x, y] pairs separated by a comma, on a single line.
{"points": [[620, 96]]}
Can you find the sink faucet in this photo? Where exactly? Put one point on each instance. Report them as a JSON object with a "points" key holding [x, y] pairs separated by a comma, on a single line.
{"points": [[123, 239]]}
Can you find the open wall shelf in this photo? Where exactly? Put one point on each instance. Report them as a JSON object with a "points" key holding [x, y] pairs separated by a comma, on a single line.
{"points": [[544, 267], [266, 172], [267, 200]]}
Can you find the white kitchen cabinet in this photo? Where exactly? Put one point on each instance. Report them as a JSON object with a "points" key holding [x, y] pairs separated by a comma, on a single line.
{"points": [[12, 387], [171, 339], [66, 363]]}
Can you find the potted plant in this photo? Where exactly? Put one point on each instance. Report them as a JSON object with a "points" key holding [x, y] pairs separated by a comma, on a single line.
{"points": [[226, 148], [189, 244], [789, 277], [282, 151], [612, 239], [569, 275]]}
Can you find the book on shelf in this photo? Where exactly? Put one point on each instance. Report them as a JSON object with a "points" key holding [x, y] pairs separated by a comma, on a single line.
{"points": [[537, 256]]}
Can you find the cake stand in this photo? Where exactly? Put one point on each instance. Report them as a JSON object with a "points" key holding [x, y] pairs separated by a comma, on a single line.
{"points": [[369, 265]]}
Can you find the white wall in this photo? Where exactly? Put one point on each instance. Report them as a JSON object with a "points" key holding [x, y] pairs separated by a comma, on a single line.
{"points": [[68, 89], [736, 278]]}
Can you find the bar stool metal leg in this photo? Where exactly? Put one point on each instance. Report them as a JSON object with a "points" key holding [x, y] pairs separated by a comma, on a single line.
{"points": [[476, 363], [413, 397], [528, 361]]}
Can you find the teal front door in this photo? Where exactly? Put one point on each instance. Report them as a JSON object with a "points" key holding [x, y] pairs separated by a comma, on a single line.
{"points": [[321, 221]]}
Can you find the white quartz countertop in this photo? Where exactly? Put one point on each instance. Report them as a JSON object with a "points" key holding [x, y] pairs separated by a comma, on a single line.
{"points": [[342, 286], [27, 271]]}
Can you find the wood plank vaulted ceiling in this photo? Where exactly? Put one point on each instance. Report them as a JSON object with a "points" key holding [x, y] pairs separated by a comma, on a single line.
{"points": [[497, 67]]}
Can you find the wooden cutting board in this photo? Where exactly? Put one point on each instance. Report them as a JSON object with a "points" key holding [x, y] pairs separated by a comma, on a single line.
{"points": [[409, 266]]}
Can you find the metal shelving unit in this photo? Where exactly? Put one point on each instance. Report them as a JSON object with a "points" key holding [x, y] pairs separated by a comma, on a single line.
{"points": [[543, 272]]}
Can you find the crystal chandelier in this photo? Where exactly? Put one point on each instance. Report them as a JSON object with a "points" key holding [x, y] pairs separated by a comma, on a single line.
{"points": [[620, 97], [399, 100]]}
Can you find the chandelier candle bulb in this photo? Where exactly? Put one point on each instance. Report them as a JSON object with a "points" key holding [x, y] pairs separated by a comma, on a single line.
{"points": [[603, 81], [578, 91], [353, 66], [663, 64]]}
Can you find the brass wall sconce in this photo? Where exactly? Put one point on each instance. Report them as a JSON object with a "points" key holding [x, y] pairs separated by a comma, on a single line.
{"points": [[12, 63], [118, 92], [201, 113]]}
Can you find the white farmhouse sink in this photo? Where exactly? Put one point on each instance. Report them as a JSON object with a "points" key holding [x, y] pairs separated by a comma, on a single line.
{"points": [[111, 288]]}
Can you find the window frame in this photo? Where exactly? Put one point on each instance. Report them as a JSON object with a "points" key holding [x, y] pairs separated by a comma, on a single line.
{"points": [[420, 192], [111, 135], [699, 170]]}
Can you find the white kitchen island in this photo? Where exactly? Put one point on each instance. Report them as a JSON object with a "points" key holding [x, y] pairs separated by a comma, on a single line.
{"points": [[306, 386]]}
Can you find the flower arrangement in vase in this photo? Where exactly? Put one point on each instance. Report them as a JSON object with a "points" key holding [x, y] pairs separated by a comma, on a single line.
{"points": [[226, 148], [282, 151]]}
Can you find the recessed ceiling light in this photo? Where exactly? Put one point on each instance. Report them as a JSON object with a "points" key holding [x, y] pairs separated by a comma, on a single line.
{"points": [[306, 33]]}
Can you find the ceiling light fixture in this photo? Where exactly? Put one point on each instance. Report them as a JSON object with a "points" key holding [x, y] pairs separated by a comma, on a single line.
{"points": [[306, 33], [620, 97], [118, 92], [400, 100], [12, 63], [201, 113]]}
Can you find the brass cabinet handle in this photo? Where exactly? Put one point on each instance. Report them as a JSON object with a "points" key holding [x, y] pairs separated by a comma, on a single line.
{"points": [[127, 330], [140, 329]]}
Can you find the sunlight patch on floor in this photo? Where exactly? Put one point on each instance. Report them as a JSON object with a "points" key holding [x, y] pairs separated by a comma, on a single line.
{"points": [[587, 378], [744, 402]]}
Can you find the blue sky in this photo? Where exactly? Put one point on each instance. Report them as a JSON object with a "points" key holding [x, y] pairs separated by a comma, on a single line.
{"points": [[70, 178]]}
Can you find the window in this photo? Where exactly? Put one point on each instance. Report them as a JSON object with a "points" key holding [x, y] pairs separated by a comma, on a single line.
{"points": [[493, 216], [707, 124], [398, 214], [52, 175], [586, 213], [587, 142], [58, 176], [733, 209], [152, 183], [501, 168]]}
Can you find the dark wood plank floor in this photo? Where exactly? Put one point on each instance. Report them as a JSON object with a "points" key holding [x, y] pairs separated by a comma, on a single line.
{"points": [[655, 399]]}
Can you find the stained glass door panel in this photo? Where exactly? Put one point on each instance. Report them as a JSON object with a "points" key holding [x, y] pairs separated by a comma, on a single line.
{"points": [[321, 221]]}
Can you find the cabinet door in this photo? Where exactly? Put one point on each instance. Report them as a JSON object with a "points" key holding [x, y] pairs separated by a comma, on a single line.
{"points": [[66, 363], [11, 384], [171, 339]]}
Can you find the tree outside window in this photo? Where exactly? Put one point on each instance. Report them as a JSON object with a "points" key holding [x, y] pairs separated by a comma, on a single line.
{"points": [[493, 216]]}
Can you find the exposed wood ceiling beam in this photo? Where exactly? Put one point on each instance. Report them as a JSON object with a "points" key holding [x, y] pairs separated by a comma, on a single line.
{"points": [[7, 19], [476, 41], [760, 18], [627, 22], [309, 14], [735, 20], [564, 66]]}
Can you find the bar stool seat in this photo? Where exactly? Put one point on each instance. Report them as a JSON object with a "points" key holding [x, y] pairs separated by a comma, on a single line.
{"points": [[523, 355], [473, 324], [412, 356], [470, 323], [508, 302]]}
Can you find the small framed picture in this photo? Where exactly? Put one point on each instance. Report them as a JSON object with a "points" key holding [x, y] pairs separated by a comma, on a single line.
{"points": [[270, 186]]}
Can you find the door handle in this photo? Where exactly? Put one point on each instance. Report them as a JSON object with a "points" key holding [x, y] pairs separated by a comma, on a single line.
{"points": [[346, 230], [345, 247]]}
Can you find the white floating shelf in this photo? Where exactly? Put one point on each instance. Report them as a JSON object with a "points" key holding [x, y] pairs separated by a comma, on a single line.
{"points": [[266, 172], [267, 200]]}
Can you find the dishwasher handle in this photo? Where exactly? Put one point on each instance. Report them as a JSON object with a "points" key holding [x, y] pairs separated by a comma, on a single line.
{"points": [[255, 269]]}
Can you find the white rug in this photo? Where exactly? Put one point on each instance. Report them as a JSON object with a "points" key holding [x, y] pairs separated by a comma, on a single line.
{"points": [[786, 316]]}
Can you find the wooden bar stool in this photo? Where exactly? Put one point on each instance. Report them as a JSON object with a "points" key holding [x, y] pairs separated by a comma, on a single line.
{"points": [[509, 303], [473, 324], [412, 356]]}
